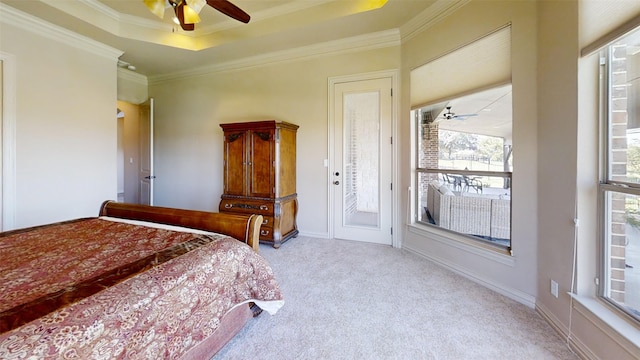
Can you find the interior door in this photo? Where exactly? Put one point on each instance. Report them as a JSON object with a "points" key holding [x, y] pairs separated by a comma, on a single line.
{"points": [[1, 154], [146, 176], [362, 172]]}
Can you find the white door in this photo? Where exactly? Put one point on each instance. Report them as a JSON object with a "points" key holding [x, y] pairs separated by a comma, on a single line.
{"points": [[1, 155], [146, 176], [361, 174], [8, 142]]}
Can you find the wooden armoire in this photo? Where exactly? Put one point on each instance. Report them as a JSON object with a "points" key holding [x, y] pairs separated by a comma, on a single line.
{"points": [[260, 176]]}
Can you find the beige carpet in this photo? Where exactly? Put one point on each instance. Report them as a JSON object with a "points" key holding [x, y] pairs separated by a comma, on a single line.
{"points": [[352, 300]]}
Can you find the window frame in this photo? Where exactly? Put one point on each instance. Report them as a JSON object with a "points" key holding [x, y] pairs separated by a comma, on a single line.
{"points": [[607, 186], [430, 170]]}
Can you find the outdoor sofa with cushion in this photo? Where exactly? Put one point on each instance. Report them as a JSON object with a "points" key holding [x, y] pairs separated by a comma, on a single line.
{"points": [[479, 215]]}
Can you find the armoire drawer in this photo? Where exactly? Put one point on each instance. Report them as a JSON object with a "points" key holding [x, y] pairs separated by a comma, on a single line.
{"points": [[266, 233], [267, 221], [264, 208]]}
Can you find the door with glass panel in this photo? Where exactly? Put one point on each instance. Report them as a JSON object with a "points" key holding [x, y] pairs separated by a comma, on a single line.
{"points": [[361, 176]]}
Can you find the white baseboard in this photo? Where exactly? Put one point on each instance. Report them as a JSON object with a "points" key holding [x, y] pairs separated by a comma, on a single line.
{"points": [[577, 346], [314, 234], [511, 293]]}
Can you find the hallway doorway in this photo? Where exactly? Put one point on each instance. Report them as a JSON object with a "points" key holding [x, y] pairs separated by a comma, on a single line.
{"points": [[135, 153]]}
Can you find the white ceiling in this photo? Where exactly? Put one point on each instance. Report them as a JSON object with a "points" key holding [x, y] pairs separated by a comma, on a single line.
{"points": [[491, 112], [158, 46]]}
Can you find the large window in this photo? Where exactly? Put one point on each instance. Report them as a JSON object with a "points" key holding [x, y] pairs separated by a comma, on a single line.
{"points": [[464, 164], [620, 186]]}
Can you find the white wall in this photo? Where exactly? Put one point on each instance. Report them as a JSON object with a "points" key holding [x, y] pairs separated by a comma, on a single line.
{"points": [[515, 275], [132, 87], [568, 143], [65, 141], [545, 69], [557, 126], [188, 137]]}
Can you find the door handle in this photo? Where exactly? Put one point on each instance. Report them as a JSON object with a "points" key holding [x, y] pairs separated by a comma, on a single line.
{"points": [[336, 182], [149, 177]]}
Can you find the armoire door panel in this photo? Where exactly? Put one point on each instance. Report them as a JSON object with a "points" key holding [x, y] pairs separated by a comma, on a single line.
{"points": [[235, 166], [287, 168], [261, 179]]}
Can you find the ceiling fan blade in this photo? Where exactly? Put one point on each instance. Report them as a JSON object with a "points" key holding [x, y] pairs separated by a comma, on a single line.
{"points": [[230, 10], [463, 116], [180, 15]]}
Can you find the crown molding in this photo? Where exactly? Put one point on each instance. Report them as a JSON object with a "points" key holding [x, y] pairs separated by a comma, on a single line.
{"points": [[429, 17], [102, 8], [262, 15], [394, 37], [201, 30], [382, 39], [132, 76], [24, 21], [118, 18], [130, 26]]}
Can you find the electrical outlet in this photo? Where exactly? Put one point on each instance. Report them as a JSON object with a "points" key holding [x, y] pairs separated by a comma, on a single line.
{"points": [[554, 288]]}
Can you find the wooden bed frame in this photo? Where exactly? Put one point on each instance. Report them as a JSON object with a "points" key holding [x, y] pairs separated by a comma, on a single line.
{"points": [[245, 228]]}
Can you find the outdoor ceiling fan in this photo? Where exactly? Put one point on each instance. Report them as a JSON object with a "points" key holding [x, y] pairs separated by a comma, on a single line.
{"points": [[187, 10], [451, 115]]}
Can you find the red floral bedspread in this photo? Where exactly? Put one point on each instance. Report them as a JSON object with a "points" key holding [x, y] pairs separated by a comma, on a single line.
{"points": [[158, 313]]}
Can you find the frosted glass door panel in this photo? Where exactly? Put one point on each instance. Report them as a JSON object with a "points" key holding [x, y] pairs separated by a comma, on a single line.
{"points": [[361, 161], [361, 174]]}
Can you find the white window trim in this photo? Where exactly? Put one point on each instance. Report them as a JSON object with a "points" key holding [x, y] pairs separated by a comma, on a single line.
{"points": [[465, 243], [609, 321]]}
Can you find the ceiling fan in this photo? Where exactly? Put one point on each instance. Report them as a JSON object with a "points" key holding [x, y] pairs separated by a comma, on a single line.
{"points": [[187, 10], [451, 115]]}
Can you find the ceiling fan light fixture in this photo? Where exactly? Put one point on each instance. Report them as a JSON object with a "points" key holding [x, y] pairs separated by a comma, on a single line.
{"points": [[197, 5], [190, 16], [187, 10], [156, 7]]}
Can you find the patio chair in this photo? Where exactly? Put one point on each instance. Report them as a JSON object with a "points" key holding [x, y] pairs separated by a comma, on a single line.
{"points": [[454, 181], [474, 183]]}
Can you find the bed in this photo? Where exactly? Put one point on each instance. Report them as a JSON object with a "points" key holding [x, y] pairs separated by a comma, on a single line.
{"points": [[135, 282]]}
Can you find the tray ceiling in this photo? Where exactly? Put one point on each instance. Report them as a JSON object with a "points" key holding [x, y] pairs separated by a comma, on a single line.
{"points": [[159, 46]]}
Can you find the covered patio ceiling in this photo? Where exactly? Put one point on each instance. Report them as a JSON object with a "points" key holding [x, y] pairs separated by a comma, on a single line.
{"points": [[487, 112]]}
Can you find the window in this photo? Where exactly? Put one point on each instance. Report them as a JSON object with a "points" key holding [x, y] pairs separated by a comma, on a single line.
{"points": [[620, 185], [461, 103], [464, 165]]}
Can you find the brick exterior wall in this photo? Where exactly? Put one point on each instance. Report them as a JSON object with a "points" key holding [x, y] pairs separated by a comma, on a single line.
{"points": [[618, 172], [428, 148], [428, 157]]}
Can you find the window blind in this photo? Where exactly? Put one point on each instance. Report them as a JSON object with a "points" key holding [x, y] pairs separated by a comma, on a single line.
{"points": [[481, 64], [602, 22]]}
